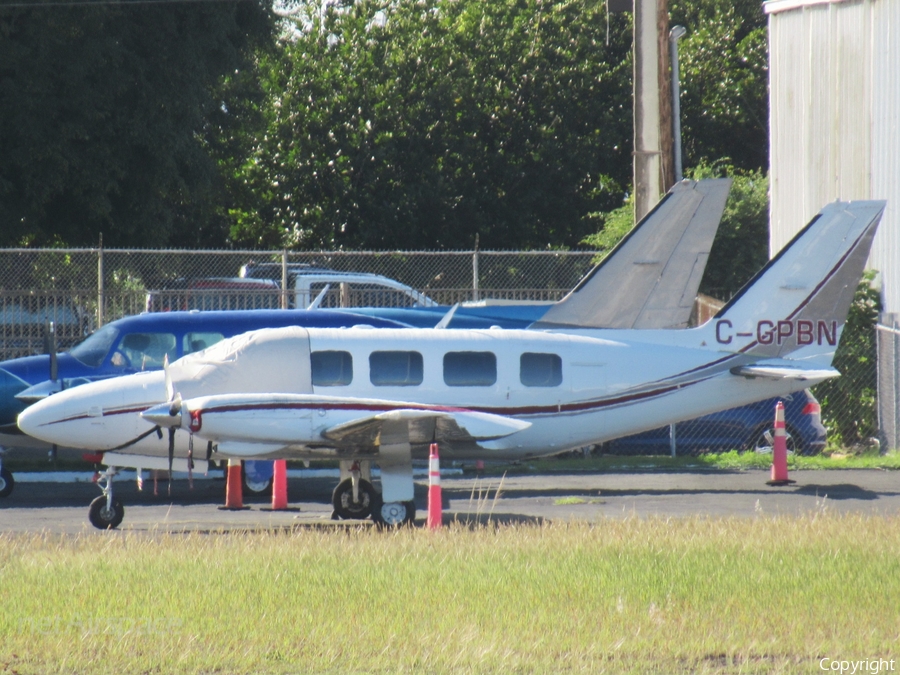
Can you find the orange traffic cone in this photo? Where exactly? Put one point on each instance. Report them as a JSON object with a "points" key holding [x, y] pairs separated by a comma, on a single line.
{"points": [[279, 485], [779, 450], [435, 518], [234, 489]]}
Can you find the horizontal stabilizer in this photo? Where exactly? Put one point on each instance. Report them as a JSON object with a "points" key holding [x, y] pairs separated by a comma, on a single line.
{"points": [[426, 426], [785, 372]]}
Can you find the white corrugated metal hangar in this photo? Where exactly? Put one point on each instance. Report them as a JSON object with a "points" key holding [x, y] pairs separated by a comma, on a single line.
{"points": [[834, 133]]}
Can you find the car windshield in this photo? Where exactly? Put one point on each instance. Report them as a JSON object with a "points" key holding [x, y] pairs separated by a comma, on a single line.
{"points": [[94, 349]]}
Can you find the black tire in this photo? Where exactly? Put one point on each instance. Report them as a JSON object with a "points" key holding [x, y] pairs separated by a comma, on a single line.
{"points": [[261, 488], [7, 482], [763, 441], [395, 514], [104, 518], [342, 500]]}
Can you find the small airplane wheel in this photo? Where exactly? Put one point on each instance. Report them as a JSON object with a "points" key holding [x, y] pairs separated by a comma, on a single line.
{"points": [[344, 506], [103, 517], [395, 514], [6, 482]]}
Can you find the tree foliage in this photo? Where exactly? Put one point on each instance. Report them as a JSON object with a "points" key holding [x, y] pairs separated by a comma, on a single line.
{"points": [[373, 123], [741, 246], [849, 402], [420, 125], [724, 82], [103, 110]]}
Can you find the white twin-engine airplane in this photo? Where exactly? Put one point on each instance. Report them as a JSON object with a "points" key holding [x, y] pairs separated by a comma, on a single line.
{"points": [[383, 395]]}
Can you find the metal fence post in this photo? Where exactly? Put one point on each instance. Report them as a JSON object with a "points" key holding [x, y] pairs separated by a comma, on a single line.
{"points": [[475, 270], [887, 338], [284, 279], [101, 293]]}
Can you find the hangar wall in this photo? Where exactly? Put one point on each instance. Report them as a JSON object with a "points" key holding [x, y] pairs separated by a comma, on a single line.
{"points": [[834, 79], [834, 133]]}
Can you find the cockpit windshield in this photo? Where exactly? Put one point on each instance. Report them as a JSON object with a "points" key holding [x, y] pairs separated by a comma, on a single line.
{"points": [[94, 349]]}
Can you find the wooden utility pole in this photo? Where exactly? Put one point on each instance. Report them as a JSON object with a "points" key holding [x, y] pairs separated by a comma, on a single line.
{"points": [[653, 163]]}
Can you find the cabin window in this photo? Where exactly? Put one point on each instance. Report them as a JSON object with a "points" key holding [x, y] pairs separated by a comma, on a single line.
{"points": [[331, 368], [195, 342], [470, 369], [540, 370], [395, 369], [144, 351]]}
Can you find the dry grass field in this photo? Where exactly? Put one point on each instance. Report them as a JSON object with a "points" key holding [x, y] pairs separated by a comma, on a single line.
{"points": [[698, 595]]}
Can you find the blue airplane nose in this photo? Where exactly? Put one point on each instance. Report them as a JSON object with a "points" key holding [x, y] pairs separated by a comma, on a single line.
{"points": [[10, 406]]}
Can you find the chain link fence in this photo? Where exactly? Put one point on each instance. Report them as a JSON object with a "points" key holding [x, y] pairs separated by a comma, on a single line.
{"points": [[81, 289]]}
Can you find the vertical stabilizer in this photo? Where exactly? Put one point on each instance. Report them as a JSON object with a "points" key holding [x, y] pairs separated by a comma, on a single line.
{"points": [[650, 279], [800, 299]]}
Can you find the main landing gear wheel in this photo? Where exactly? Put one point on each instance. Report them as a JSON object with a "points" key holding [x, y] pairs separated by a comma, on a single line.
{"points": [[105, 516], [395, 514], [344, 506], [6, 482]]}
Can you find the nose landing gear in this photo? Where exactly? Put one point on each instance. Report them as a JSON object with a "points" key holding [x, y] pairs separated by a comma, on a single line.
{"points": [[106, 511]]}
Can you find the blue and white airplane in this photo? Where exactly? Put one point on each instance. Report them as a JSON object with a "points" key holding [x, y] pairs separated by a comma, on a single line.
{"points": [[655, 272], [384, 395]]}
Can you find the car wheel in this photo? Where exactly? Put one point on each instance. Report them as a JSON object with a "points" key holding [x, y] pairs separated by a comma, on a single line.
{"points": [[7, 482], [764, 441], [262, 488]]}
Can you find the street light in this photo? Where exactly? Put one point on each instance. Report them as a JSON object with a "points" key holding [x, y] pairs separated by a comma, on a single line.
{"points": [[676, 34]]}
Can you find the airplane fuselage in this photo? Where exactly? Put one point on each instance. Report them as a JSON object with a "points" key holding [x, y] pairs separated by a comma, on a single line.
{"points": [[574, 390]]}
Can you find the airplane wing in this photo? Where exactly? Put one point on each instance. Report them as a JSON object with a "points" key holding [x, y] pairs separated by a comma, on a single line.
{"points": [[257, 424], [650, 279], [778, 372], [456, 426]]}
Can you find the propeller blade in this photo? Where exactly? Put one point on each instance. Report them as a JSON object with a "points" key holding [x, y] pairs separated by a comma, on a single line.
{"points": [[50, 348], [171, 455], [170, 387]]}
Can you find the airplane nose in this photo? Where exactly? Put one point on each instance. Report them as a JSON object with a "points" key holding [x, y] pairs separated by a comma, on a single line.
{"points": [[99, 415], [38, 420], [10, 406]]}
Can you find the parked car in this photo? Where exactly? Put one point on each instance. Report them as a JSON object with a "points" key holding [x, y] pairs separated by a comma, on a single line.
{"points": [[214, 294], [338, 289], [747, 428]]}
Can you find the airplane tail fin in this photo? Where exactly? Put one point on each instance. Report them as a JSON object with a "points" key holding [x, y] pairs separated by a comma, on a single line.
{"points": [[798, 303], [650, 279]]}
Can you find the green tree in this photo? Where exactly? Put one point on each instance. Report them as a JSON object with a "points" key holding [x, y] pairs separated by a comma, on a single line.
{"points": [[741, 246], [102, 114], [420, 125], [724, 82], [849, 402]]}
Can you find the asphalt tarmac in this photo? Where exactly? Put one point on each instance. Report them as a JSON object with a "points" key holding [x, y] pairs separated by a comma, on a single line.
{"points": [[63, 507]]}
